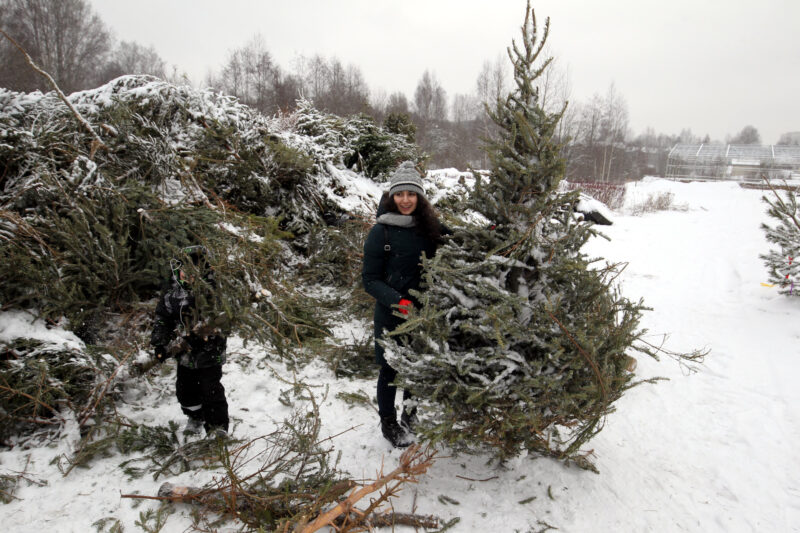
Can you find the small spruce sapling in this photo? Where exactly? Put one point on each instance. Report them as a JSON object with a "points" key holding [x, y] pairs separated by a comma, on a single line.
{"points": [[782, 262]]}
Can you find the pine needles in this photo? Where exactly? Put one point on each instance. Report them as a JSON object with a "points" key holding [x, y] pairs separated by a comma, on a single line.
{"points": [[782, 261], [42, 386]]}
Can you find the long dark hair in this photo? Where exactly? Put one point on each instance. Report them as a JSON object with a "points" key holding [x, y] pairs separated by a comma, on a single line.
{"points": [[425, 216]]}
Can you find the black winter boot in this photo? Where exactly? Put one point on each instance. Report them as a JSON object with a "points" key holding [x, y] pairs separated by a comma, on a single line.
{"points": [[394, 433], [194, 426], [409, 419]]}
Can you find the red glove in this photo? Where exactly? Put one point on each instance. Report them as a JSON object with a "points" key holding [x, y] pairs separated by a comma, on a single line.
{"points": [[405, 305], [160, 353]]}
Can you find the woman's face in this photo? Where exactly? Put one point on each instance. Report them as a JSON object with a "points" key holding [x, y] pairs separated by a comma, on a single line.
{"points": [[406, 202]]}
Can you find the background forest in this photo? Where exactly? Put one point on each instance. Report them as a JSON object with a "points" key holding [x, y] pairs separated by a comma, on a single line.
{"points": [[70, 41]]}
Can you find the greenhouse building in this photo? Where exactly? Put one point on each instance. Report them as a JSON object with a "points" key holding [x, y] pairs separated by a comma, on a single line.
{"points": [[741, 162]]}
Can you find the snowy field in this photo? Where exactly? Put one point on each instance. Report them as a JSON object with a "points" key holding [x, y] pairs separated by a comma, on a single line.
{"points": [[710, 451]]}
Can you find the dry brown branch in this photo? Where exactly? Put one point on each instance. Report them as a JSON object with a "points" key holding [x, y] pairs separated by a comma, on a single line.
{"points": [[191, 495], [687, 361], [414, 462], [91, 409], [97, 143], [303, 503]]}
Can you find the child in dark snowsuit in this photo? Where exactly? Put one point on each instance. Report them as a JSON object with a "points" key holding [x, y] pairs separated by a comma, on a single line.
{"points": [[200, 351]]}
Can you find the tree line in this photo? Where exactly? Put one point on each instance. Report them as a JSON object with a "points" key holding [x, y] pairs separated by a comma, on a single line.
{"points": [[72, 43]]}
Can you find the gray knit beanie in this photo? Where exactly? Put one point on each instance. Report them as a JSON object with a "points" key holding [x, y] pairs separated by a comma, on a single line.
{"points": [[406, 178]]}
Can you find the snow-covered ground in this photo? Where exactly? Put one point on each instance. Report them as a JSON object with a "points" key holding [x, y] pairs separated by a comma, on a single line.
{"points": [[709, 451]]}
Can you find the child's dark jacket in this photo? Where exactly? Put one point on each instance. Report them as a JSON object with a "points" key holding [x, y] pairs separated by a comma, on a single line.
{"points": [[176, 315]]}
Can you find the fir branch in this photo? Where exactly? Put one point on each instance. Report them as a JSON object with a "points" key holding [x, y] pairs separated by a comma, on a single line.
{"points": [[34, 399], [686, 360], [91, 409], [592, 363], [783, 205]]}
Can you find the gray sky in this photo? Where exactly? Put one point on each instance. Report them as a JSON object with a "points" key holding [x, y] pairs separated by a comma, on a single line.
{"points": [[714, 66]]}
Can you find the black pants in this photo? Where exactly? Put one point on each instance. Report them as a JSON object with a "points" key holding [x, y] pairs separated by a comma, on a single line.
{"points": [[202, 396], [388, 392]]}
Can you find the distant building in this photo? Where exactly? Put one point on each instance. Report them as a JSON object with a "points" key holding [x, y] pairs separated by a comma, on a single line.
{"points": [[740, 162]]}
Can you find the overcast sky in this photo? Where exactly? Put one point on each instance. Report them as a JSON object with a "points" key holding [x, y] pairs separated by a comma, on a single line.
{"points": [[713, 66]]}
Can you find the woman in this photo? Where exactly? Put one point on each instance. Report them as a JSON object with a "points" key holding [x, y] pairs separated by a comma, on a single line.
{"points": [[407, 227]]}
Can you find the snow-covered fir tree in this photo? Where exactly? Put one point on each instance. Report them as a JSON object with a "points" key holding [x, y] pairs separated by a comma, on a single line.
{"points": [[521, 340], [782, 260]]}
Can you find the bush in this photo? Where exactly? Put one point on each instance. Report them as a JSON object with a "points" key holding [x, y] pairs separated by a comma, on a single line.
{"points": [[612, 195], [400, 123], [659, 201]]}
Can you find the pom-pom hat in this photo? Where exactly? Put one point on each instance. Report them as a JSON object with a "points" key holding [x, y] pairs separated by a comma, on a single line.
{"points": [[406, 178]]}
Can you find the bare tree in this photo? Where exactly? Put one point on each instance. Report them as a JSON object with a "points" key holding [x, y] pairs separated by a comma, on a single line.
{"points": [[346, 92], [314, 75], [554, 84], [232, 77], [587, 137], [336, 86], [332, 86], [66, 38], [133, 58], [287, 91], [687, 137], [555, 88], [492, 80], [466, 107], [260, 75], [482, 84], [613, 130], [748, 135], [398, 103], [251, 75], [598, 149], [430, 99], [378, 101], [490, 87], [791, 138]]}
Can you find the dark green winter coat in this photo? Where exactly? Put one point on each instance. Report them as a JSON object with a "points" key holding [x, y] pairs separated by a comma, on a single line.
{"points": [[390, 276]]}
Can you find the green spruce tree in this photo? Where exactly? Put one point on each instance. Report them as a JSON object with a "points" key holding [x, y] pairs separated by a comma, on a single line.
{"points": [[521, 340], [782, 262]]}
